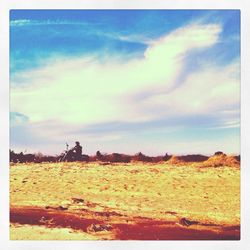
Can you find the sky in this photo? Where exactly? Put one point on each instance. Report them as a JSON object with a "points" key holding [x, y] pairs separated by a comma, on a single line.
{"points": [[125, 81]]}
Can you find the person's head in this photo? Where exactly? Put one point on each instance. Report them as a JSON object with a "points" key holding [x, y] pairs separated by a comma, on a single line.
{"points": [[77, 143]]}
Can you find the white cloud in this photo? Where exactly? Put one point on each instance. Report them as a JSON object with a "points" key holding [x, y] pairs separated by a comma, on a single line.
{"points": [[67, 96], [20, 22], [212, 89], [83, 91], [28, 22]]}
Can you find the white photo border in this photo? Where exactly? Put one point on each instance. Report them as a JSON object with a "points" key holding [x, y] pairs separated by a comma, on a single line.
{"points": [[7, 5]]}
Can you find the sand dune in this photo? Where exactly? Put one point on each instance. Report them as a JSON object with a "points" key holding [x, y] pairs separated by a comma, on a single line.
{"points": [[124, 201]]}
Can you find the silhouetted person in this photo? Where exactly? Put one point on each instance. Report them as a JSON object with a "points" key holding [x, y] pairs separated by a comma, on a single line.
{"points": [[74, 154], [77, 151]]}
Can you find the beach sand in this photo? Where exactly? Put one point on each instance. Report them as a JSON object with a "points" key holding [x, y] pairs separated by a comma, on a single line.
{"points": [[118, 201]]}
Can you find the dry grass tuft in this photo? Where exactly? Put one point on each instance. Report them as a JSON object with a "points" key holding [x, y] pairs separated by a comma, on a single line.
{"points": [[222, 160], [175, 160]]}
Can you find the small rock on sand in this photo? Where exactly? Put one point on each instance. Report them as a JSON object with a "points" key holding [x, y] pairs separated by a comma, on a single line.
{"points": [[99, 228]]}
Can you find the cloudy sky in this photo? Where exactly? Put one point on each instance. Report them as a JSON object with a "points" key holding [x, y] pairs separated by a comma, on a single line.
{"points": [[125, 81]]}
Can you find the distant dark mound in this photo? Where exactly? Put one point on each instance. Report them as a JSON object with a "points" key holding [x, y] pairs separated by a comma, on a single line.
{"points": [[237, 157], [187, 158], [166, 157], [193, 158], [115, 157], [141, 157], [219, 153]]}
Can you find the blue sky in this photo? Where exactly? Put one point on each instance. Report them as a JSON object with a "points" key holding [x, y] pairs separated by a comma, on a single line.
{"points": [[154, 81]]}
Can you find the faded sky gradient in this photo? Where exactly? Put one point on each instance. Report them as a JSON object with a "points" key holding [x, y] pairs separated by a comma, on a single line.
{"points": [[125, 81]]}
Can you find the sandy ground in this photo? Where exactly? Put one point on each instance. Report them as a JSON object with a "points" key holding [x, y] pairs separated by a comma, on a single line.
{"points": [[88, 201]]}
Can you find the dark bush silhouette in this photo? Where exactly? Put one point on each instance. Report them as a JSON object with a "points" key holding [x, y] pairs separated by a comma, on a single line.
{"points": [[141, 157], [99, 156], [193, 158], [166, 157], [85, 158], [219, 153], [23, 158], [237, 158], [115, 157]]}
